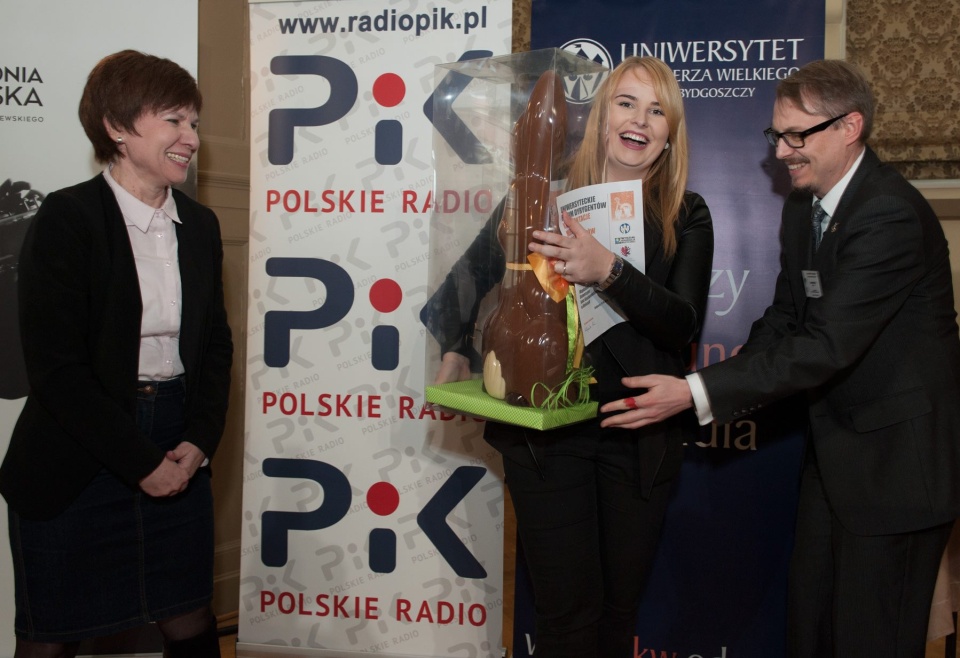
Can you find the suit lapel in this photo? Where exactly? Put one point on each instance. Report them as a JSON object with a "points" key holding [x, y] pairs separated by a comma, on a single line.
{"points": [[188, 247], [797, 239], [194, 259], [869, 163], [652, 248], [613, 339], [123, 306], [123, 267], [187, 257], [797, 246]]}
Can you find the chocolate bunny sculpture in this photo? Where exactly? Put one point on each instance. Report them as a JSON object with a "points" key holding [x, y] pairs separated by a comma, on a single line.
{"points": [[525, 337]]}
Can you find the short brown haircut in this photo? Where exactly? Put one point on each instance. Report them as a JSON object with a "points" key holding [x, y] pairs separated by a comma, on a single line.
{"points": [[830, 87], [125, 85]]}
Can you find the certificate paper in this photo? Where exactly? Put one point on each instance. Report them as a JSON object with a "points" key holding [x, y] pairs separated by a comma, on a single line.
{"points": [[613, 214]]}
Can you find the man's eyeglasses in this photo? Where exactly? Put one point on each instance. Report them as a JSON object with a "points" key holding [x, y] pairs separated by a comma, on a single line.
{"points": [[796, 140]]}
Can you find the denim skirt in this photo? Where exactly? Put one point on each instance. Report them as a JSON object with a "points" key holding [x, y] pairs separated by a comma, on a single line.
{"points": [[117, 558]]}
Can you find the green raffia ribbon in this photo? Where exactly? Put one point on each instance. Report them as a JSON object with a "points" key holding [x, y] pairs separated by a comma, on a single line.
{"points": [[558, 398], [573, 327]]}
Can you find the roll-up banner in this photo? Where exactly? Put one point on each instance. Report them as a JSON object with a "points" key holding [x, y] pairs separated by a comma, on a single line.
{"points": [[47, 48], [372, 523], [718, 585]]}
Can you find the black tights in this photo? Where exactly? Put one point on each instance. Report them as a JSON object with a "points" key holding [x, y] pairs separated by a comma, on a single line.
{"points": [[190, 635]]}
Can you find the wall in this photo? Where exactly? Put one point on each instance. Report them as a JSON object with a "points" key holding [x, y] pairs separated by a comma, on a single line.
{"points": [[223, 182]]}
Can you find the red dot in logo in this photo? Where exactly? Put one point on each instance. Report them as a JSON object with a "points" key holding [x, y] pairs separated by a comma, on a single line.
{"points": [[389, 90], [383, 498], [385, 295]]}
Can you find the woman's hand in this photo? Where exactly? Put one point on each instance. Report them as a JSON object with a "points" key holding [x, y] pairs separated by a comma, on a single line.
{"points": [[453, 368], [187, 456], [167, 479], [578, 259]]}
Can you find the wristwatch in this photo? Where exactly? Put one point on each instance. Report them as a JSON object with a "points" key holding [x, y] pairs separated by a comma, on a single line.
{"points": [[615, 273]]}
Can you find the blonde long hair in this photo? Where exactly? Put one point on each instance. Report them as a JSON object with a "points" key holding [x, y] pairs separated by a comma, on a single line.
{"points": [[666, 182]]}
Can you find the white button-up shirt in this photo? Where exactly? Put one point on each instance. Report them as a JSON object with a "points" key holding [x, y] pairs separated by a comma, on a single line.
{"points": [[153, 238]]}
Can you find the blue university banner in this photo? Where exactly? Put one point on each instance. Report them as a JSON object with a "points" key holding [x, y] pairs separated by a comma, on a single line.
{"points": [[718, 589]]}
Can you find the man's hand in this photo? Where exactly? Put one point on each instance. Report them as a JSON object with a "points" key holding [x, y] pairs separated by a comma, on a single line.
{"points": [[665, 397]]}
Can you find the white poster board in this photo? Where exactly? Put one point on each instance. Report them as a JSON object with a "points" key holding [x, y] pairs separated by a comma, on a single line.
{"points": [[372, 524]]}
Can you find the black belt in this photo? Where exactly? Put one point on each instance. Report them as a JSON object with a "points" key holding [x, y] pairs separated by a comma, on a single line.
{"points": [[157, 386]]}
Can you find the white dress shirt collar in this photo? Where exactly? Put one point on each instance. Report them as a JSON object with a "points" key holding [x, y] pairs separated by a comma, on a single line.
{"points": [[136, 212], [831, 199]]}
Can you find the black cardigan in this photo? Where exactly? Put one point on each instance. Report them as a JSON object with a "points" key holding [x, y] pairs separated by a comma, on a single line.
{"points": [[80, 313]]}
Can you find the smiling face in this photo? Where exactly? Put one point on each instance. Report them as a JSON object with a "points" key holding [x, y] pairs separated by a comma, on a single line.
{"points": [[636, 130], [825, 156], [157, 152]]}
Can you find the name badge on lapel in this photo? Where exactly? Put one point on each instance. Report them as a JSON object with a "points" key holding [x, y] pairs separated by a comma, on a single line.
{"points": [[811, 283]]}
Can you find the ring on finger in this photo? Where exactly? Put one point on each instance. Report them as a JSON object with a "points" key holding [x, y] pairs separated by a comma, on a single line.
{"points": [[631, 403], [563, 272]]}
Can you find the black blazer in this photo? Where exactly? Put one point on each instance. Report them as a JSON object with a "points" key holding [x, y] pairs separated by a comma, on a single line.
{"points": [[665, 307], [80, 313], [877, 355]]}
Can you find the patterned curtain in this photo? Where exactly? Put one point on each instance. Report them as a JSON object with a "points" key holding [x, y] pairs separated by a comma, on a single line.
{"points": [[909, 51], [521, 25]]}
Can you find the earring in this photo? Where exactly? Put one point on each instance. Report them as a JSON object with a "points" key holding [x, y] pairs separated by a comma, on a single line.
{"points": [[666, 146], [119, 140]]}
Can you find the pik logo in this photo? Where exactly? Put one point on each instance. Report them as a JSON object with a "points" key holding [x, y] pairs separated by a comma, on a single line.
{"points": [[625, 228], [389, 90], [383, 499], [385, 297]]}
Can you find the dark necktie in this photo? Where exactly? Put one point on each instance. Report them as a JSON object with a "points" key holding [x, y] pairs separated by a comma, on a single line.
{"points": [[816, 219]]}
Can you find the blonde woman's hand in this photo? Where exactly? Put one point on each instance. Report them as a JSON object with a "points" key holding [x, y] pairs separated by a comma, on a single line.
{"points": [[578, 258], [453, 368]]}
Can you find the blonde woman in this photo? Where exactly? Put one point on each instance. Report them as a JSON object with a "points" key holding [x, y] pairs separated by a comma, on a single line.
{"points": [[590, 500]]}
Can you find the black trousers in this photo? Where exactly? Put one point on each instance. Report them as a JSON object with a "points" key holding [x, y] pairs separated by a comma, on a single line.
{"points": [[855, 596], [589, 538]]}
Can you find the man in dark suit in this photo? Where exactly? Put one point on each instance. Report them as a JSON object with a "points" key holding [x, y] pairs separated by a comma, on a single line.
{"points": [[863, 324]]}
